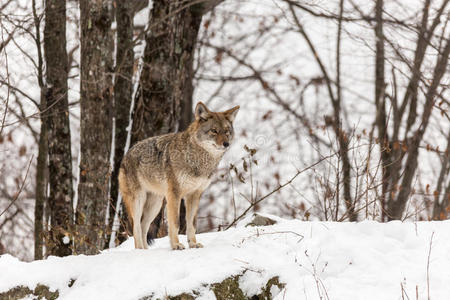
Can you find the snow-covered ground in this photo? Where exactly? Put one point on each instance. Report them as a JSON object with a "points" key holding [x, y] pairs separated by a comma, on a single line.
{"points": [[314, 260]]}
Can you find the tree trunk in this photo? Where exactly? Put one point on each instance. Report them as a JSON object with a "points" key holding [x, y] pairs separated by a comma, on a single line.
{"points": [[397, 207], [57, 117], [187, 116], [95, 128], [380, 104], [400, 172], [41, 191], [167, 72], [123, 89], [42, 166], [441, 208]]}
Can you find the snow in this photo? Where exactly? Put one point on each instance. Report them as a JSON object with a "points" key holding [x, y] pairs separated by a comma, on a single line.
{"points": [[66, 239], [366, 260]]}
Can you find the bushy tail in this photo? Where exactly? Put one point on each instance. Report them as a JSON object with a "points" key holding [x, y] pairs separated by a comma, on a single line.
{"points": [[124, 191], [150, 239]]}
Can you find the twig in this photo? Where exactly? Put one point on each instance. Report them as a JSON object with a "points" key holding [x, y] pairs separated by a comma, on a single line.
{"points": [[275, 232], [428, 266], [232, 191], [280, 187], [8, 86], [20, 189], [403, 292]]}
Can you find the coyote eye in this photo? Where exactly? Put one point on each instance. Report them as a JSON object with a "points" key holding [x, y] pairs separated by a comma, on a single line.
{"points": [[213, 131]]}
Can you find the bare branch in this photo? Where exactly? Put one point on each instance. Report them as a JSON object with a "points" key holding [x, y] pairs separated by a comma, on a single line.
{"points": [[20, 189]]}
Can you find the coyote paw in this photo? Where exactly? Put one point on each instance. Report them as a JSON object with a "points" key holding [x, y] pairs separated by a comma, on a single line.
{"points": [[195, 245], [178, 246]]}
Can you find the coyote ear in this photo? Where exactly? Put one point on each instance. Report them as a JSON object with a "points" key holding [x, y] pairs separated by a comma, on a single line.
{"points": [[201, 112], [231, 113]]}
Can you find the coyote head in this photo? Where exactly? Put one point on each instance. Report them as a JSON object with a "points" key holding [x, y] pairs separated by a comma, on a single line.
{"points": [[214, 130]]}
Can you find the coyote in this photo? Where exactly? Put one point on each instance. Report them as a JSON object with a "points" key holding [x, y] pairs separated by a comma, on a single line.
{"points": [[174, 166]]}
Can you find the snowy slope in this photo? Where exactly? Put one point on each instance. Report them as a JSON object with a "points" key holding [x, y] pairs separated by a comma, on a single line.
{"points": [[366, 260]]}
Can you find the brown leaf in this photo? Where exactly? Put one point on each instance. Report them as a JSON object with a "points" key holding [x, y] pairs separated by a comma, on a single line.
{"points": [[392, 194], [252, 151], [307, 214], [302, 206], [241, 178], [396, 145], [277, 176], [22, 150], [218, 57], [267, 115], [404, 147]]}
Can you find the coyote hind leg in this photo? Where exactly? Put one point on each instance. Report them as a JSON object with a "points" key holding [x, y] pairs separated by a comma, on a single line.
{"points": [[137, 210], [151, 209]]}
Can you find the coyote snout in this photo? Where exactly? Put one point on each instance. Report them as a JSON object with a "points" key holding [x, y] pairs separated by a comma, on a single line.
{"points": [[172, 167]]}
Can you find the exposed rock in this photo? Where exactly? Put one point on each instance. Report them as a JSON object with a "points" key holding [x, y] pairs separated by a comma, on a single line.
{"points": [[259, 220], [183, 296], [266, 293], [228, 289], [20, 292]]}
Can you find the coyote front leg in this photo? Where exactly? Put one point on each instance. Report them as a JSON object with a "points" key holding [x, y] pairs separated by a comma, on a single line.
{"points": [[191, 212], [173, 209]]}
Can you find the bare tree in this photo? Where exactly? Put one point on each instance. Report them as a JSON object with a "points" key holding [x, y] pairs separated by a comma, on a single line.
{"points": [[95, 146], [123, 88], [380, 102], [334, 121], [397, 204], [42, 161], [58, 129], [441, 207]]}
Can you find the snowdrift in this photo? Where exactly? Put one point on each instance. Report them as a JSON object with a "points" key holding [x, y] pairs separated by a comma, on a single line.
{"points": [[287, 260]]}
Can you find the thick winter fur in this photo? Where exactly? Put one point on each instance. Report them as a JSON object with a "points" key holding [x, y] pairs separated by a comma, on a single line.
{"points": [[172, 167]]}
